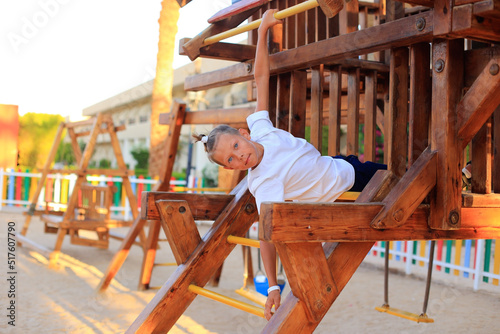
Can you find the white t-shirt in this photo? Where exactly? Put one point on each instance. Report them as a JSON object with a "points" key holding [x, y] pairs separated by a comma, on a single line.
{"points": [[293, 169]]}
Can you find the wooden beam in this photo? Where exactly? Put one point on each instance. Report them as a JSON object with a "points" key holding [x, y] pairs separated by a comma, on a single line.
{"points": [[447, 81], [353, 112], [329, 51], [334, 110], [192, 47], [223, 51], [298, 91], [420, 100], [370, 116], [212, 116], [479, 102], [325, 222], [316, 121], [407, 195], [174, 295], [397, 116], [203, 206], [179, 227], [467, 24]]}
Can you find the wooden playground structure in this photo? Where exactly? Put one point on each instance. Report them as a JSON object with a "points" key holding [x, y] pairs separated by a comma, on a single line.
{"points": [[88, 208], [424, 72]]}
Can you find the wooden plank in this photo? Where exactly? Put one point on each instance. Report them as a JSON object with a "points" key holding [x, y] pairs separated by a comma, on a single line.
{"points": [[312, 222], [223, 51], [487, 8], [407, 195], [447, 80], [420, 100], [236, 8], [192, 48], [212, 116], [328, 51], [316, 121], [283, 102], [203, 206], [174, 295], [349, 17], [471, 200], [397, 118], [467, 24], [334, 111], [353, 112], [172, 141], [481, 156], [149, 255], [443, 10], [479, 102], [309, 276], [370, 116], [298, 90], [179, 227]]}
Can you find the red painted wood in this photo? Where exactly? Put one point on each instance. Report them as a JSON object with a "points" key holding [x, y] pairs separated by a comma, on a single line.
{"points": [[236, 8]]}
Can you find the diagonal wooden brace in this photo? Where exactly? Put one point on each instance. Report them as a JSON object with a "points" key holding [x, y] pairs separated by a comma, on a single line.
{"points": [[407, 195], [479, 102], [174, 297]]}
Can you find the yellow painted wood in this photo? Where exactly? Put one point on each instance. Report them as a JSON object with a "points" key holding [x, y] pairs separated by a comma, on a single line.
{"points": [[252, 295], [227, 300], [458, 256], [404, 314], [299, 8], [243, 241]]}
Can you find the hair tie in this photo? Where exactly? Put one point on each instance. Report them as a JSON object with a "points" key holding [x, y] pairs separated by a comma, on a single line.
{"points": [[204, 139]]}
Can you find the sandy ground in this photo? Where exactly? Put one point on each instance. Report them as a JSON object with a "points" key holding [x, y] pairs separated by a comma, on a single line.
{"points": [[65, 300]]}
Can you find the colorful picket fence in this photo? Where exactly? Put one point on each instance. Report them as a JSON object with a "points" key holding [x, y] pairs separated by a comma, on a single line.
{"points": [[477, 260], [17, 188]]}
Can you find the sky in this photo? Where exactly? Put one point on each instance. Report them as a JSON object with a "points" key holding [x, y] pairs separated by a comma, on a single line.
{"points": [[61, 56]]}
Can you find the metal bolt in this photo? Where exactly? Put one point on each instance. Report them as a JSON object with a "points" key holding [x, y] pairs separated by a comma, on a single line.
{"points": [[494, 69], [328, 288], [249, 68], [420, 24], [398, 215], [249, 208], [439, 65], [454, 217], [182, 209]]}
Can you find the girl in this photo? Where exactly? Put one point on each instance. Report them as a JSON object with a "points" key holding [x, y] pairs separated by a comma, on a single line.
{"points": [[280, 166]]}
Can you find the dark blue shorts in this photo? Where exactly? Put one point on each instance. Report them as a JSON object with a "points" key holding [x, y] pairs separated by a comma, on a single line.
{"points": [[363, 171]]}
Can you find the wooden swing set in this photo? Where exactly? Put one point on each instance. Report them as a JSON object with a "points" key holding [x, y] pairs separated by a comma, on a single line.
{"points": [[88, 207], [406, 70]]}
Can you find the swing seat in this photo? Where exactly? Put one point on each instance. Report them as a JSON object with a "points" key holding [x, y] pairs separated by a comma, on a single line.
{"points": [[404, 314]]}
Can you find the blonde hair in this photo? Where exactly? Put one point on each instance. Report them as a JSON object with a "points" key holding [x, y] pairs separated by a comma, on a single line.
{"points": [[210, 140]]}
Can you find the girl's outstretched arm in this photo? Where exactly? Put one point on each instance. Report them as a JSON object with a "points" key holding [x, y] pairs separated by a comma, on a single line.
{"points": [[261, 64]]}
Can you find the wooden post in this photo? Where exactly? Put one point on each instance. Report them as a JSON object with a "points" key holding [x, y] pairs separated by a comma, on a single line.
{"points": [[334, 111], [353, 111], [317, 106], [447, 81], [298, 97], [370, 115], [420, 100], [397, 118]]}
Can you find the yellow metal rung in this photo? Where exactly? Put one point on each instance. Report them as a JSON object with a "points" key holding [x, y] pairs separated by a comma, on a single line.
{"points": [[252, 295], [243, 241], [404, 314], [227, 300], [167, 264]]}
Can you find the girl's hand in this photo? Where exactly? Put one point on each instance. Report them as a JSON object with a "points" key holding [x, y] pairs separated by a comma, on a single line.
{"points": [[268, 20], [274, 298]]}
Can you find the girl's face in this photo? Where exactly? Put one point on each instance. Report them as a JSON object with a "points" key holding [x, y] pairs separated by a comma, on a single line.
{"points": [[237, 151]]}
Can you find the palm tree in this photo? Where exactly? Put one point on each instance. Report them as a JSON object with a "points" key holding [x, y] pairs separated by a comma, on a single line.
{"points": [[162, 89]]}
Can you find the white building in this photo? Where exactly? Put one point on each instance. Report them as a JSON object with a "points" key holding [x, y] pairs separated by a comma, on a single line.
{"points": [[133, 108]]}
